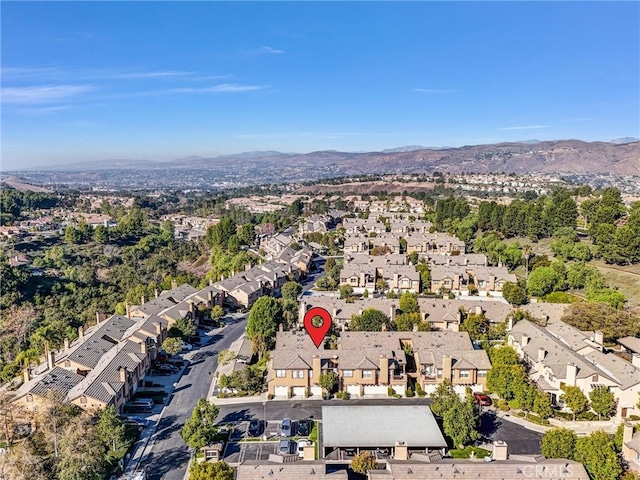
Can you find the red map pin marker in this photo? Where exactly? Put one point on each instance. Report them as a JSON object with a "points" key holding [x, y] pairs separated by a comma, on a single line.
{"points": [[318, 331]]}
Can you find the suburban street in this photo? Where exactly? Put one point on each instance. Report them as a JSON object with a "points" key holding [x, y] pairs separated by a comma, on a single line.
{"points": [[168, 457]]}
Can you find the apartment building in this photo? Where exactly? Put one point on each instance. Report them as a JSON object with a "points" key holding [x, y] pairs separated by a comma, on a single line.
{"points": [[559, 355], [434, 243], [364, 271], [463, 278], [369, 363]]}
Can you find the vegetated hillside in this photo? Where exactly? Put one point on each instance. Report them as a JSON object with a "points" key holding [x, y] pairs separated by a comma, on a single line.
{"points": [[565, 156]]}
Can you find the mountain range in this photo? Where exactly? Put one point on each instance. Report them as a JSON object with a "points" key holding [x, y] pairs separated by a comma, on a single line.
{"points": [[621, 157]]}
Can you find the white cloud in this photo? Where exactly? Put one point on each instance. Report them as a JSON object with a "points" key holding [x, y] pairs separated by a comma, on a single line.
{"points": [[43, 93], [525, 127], [433, 91], [221, 88], [273, 51]]}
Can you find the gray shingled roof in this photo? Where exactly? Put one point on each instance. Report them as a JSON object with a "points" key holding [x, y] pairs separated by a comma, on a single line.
{"points": [[59, 380]]}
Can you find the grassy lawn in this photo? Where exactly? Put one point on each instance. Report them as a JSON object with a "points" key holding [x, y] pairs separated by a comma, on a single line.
{"points": [[313, 436], [466, 452]]}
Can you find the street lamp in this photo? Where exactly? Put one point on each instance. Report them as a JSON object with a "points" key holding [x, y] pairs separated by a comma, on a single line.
{"points": [[264, 418]]}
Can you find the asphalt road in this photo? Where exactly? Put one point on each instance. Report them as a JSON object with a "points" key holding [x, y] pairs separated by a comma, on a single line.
{"points": [[169, 456]]}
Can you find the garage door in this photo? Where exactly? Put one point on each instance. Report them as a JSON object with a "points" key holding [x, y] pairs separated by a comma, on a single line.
{"points": [[316, 391], [375, 390], [354, 390], [282, 391], [300, 391], [399, 389]]}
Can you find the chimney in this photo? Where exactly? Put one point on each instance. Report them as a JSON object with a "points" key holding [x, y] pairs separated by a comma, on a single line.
{"points": [[360, 312], [192, 310], [51, 360], [524, 341], [156, 291], [478, 310], [447, 362], [210, 296], [598, 337], [247, 267], [627, 433], [143, 347], [572, 373], [500, 450], [158, 328], [80, 332], [174, 284], [383, 328], [635, 360], [27, 375], [541, 354], [510, 323], [66, 344], [142, 302], [392, 313], [415, 327], [317, 368], [384, 370], [401, 451], [123, 374], [128, 310], [280, 327], [302, 311], [211, 282]]}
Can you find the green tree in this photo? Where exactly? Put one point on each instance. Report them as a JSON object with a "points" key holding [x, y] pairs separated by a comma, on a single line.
{"points": [[184, 327], [81, 451], [505, 355], [514, 294], [460, 423], [101, 234], [328, 381], [542, 281], [200, 429], [263, 320], [507, 380], [409, 303], [111, 429], [406, 321], [597, 453], [558, 443], [247, 234], [602, 401], [443, 398], [371, 320], [363, 462], [217, 312], [210, 471], [477, 326], [574, 399], [346, 292], [291, 290], [172, 345], [542, 405]]}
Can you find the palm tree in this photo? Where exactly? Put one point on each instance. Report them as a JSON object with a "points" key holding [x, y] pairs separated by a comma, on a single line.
{"points": [[526, 253]]}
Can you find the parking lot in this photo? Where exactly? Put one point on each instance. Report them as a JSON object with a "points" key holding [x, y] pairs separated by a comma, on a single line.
{"points": [[244, 445]]}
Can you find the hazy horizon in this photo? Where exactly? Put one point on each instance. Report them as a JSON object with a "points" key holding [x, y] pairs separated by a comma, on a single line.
{"points": [[177, 79]]}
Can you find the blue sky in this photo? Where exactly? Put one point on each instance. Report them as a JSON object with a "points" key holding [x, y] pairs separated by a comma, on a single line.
{"points": [[163, 80]]}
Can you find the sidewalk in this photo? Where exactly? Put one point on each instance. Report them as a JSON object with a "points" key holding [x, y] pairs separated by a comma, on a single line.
{"points": [[580, 428]]}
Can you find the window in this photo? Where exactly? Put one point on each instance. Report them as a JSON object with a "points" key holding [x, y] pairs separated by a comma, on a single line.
{"points": [[436, 282], [67, 363], [594, 378], [463, 373], [367, 374], [310, 373], [347, 373], [354, 280], [482, 373], [439, 373], [405, 282], [83, 399], [298, 374], [281, 373]]}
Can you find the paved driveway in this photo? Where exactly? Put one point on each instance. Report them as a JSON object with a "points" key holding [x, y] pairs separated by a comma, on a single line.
{"points": [[519, 439], [168, 456]]}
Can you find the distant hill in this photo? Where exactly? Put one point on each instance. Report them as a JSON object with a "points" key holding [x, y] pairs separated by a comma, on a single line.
{"points": [[558, 156]]}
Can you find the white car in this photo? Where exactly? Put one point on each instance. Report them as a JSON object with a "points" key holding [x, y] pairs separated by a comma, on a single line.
{"points": [[186, 346]]}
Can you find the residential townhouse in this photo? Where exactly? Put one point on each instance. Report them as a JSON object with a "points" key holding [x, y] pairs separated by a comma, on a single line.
{"points": [[434, 243], [463, 278], [631, 447], [390, 241], [369, 363], [559, 355], [354, 226], [314, 224], [462, 260], [355, 243], [364, 271]]}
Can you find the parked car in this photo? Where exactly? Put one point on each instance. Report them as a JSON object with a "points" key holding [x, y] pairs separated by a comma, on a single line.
{"points": [[133, 408], [143, 401], [301, 445], [303, 427], [286, 428], [287, 447], [139, 420], [166, 367], [349, 452], [256, 427], [482, 399]]}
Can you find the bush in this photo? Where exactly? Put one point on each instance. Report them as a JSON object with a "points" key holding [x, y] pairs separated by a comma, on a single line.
{"points": [[390, 392], [409, 392], [634, 418], [587, 416], [222, 395], [346, 395], [270, 396], [503, 405], [419, 391], [563, 415], [242, 393]]}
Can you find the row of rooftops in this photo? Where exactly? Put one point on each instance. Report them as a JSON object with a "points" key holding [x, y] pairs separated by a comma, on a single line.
{"points": [[564, 346]]}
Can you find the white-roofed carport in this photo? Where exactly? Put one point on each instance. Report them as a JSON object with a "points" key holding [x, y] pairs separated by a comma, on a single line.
{"points": [[379, 426]]}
